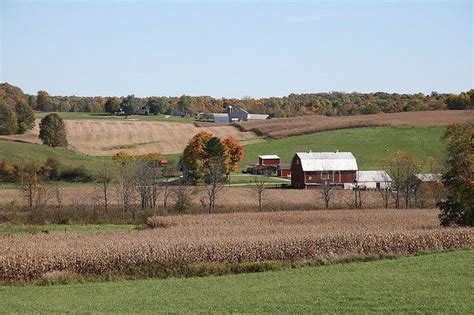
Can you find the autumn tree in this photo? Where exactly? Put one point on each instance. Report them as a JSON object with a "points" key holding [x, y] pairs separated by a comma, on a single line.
{"points": [[112, 106], [401, 167], [194, 155], [234, 153], [44, 102], [461, 101], [53, 131], [8, 120], [204, 148], [458, 207], [25, 117]]}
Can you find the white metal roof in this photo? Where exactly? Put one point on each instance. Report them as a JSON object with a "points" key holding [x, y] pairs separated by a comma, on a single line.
{"points": [[430, 177], [268, 157], [222, 115], [373, 176], [256, 116], [327, 161]]}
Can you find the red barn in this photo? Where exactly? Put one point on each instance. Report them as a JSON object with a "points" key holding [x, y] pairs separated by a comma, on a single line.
{"points": [[268, 160], [309, 170]]}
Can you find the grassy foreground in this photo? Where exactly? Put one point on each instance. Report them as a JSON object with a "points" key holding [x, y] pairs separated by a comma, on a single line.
{"points": [[370, 146], [435, 283]]}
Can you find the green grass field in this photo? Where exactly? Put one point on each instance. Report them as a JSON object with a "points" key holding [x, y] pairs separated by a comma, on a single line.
{"points": [[370, 146], [434, 283], [56, 228], [105, 116], [19, 151]]}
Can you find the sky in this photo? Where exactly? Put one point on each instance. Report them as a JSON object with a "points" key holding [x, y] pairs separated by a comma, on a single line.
{"points": [[235, 49]]}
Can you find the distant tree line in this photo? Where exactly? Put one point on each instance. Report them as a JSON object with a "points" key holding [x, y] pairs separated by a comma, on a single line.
{"points": [[17, 116], [330, 104]]}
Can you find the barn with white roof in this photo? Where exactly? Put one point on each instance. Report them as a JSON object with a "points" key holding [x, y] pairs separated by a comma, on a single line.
{"points": [[313, 169]]}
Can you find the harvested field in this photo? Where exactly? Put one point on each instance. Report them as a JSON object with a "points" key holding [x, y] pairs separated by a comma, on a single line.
{"points": [[286, 127], [100, 138], [233, 238]]}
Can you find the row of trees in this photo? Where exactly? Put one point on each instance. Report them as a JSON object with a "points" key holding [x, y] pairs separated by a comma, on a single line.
{"points": [[332, 103]]}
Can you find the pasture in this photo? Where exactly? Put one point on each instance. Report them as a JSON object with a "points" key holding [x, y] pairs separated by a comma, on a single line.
{"points": [[434, 283], [371, 146]]}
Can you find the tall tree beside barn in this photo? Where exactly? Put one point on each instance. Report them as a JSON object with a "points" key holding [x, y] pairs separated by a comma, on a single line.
{"points": [[458, 208], [234, 153], [53, 131]]}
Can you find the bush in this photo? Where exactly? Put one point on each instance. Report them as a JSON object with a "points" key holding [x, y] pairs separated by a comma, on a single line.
{"points": [[8, 171], [76, 174]]}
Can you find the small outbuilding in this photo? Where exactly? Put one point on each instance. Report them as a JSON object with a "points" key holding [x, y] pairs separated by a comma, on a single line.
{"points": [[284, 170], [269, 160], [373, 180]]}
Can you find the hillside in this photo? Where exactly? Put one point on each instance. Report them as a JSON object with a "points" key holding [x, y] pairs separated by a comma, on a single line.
{"points": [[371, 146], [107, 137], [286, 127]]}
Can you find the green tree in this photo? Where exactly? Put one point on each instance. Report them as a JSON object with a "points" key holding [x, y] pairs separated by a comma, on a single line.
{"points": [[8, 120], [130, 105], [44, 102], [53, 131], [112, 106], [25, 117], [158, 105], [186, 104], [458, 208]]}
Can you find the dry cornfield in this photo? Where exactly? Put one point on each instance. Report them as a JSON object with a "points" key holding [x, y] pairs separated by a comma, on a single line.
{"points": [[286, 127], [233, 238]]}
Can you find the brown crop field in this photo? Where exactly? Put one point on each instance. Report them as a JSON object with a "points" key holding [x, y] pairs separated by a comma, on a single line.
{"points": [[286, 127], [101, 138], [232, 238]]}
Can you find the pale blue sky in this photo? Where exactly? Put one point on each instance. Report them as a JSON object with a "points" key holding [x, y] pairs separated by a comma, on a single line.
{"points": [[235, 49]]}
